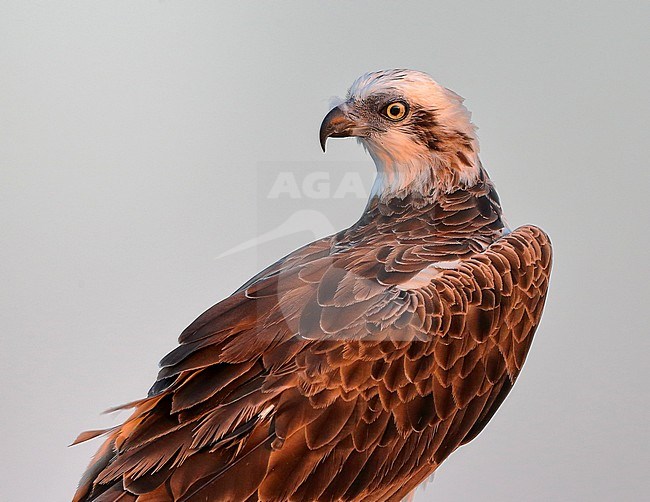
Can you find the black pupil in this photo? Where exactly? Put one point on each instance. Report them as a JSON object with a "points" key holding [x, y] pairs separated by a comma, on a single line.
{"points": [[395, 110]]}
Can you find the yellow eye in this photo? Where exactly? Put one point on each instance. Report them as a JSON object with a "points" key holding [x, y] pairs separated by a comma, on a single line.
{"points": [[396, 110]]}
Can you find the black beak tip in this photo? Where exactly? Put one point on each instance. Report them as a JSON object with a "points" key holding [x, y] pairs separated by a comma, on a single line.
{"points": [[325, 131], [323, 140]]}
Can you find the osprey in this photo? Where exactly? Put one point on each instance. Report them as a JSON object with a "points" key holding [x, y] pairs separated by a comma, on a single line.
{"points": [[353, 367]]}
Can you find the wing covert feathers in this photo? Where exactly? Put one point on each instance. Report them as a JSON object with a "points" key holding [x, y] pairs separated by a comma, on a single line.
{"points": [[334, 374]]}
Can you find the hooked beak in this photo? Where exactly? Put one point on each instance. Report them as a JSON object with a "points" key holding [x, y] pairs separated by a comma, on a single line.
{"points": [[337, 124]]}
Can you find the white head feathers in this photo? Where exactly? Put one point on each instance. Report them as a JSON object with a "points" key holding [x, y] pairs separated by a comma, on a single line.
{"points": [[433, 147]]}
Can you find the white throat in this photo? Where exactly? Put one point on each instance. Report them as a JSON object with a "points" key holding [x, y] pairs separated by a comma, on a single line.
{"points": [[410, 168]]}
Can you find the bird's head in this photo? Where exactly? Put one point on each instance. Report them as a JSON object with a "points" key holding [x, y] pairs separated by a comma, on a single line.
{"points": [[419, 134]]}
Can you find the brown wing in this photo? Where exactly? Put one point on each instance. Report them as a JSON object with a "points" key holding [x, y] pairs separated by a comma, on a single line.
{"points": [[338, 374]]}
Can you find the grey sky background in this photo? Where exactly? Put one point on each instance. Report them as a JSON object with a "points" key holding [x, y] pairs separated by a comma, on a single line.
{"points": [[131, 139]]}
